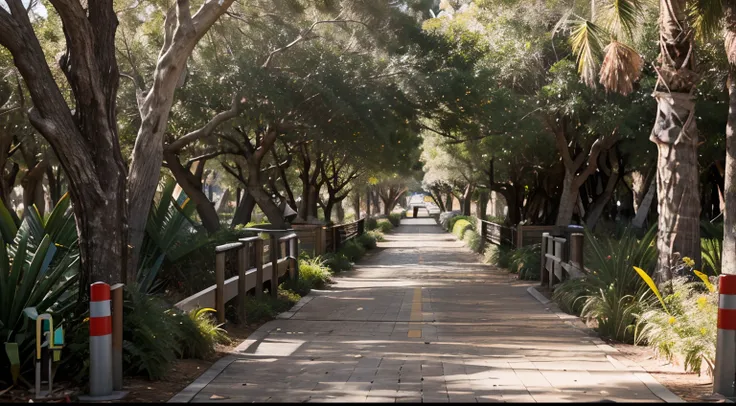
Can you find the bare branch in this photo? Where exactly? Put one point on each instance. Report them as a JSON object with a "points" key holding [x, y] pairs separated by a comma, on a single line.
{"points": [[208, 128]]}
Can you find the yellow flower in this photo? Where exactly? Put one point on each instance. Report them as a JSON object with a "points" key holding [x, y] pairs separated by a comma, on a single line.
{"points": [[671, 320], [703, 330], [702, 301], [689, 261]]}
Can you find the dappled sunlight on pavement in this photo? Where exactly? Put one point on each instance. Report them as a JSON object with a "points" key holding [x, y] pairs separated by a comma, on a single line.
{"points": [[423, 320]]}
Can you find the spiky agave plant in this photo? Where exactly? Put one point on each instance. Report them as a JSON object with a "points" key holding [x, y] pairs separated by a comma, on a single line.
{"points": [[612, 293]]}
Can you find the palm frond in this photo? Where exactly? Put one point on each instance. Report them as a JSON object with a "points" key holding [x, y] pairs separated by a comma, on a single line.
{"points": [[621, 17], [586, 40], [621, 68], [705, 17]]}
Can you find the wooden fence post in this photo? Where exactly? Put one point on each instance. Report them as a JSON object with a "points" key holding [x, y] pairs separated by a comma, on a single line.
{"points": [[258, 248], [544, 274], [294, 250], [335, 239], [220, 289], [361, 226], [520, 236], [274, 249], [576, 250], [243, 258], [483, 234]]}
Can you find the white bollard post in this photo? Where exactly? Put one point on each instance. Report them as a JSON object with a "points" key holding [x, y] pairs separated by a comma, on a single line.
{"points": [[100, 346], [100, 340], [725, 368]]}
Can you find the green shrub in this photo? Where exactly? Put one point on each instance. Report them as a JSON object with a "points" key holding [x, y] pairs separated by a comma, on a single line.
{"points": [[452, 221], [395, 219], [711, 249], [151, 336], [472, 240], [299, 286], [367, 240], [337, 262], [403, 214], [200, 333], [499, 256], [353, 250], [460, 226], [371, 223], [687, 327], [315, 272], [376, 235], [613, 293], [266, 308], [526, 262], [385, 226]]}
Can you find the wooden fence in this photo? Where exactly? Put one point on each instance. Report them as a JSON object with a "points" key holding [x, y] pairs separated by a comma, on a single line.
{"points": [[562, 258], [492, 233], [258, 261], [318, 240], [266, 262]]}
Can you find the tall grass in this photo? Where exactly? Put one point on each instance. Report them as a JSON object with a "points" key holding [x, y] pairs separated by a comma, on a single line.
{"points": [[613, 293]]}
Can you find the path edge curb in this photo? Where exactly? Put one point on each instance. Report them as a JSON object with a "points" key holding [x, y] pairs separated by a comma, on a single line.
{"points": [[190, 391], [645, 377]]}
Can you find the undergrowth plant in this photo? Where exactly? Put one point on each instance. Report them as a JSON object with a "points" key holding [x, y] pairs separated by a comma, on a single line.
{"points": [[526, 261], [613, 293], [683, 323]]}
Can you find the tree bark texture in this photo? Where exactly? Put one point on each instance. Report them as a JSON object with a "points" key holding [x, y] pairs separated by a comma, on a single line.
{"points": [[85, 140], [728, 258], [676, 136], [182, 33]]}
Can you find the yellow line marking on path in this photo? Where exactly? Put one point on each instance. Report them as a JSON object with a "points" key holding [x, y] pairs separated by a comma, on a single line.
{"points": [[416, 313]]}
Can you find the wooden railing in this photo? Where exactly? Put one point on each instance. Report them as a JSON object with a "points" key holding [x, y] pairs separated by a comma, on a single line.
{"points": [[338, 235], [498, 234], [258, 261], [562, 258]]}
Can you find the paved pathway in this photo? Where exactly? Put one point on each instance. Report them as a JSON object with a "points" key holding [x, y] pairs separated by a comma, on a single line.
{"points": [[422, 320]]}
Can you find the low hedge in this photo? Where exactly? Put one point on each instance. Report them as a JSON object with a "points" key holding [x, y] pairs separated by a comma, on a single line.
{"points": [[472, 240], [395, 219], [460, 226]]}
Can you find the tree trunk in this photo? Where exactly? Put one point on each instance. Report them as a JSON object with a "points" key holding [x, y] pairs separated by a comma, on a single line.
{"points": [[602, 200], [192, 186], [568, 200], [646, 203], [341, 213], [327, 209], [33, 187], [244, 211], [482, 204], [182, 33], [728, 258], [356, 204], [262, 199], [448, 201], [368, 202], [466, 199], [640, 184]]}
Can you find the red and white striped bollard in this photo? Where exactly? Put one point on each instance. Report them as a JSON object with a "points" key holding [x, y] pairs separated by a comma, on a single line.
{"points": [[724, 376], [100, 340]]}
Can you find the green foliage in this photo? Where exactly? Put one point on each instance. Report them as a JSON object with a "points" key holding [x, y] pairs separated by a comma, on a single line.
{"points": [[314, 272], [337, 262], [613, 293], [526, 262], [39, 272], [687, 329], [151, 335], [395, 218], [199, 333], [459, 227], [472, 240], [376, 235], [299, 286], [371, 223], [353, 250], [266, 308], [385, 226], [711, 250], [452, 221], [368, 240], [499, 256]]}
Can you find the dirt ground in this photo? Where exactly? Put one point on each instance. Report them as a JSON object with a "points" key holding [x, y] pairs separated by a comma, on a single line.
{"points": [[183, 372]]}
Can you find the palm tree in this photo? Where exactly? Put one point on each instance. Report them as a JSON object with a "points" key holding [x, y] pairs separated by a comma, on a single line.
{"points": [[674, 133]]}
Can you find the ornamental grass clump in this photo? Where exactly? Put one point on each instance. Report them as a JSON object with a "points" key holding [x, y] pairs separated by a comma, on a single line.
{"points": [[682, 324], [613, 294]]}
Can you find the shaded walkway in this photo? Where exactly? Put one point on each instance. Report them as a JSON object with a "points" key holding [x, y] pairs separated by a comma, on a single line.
{"points": [[422, 320]]}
